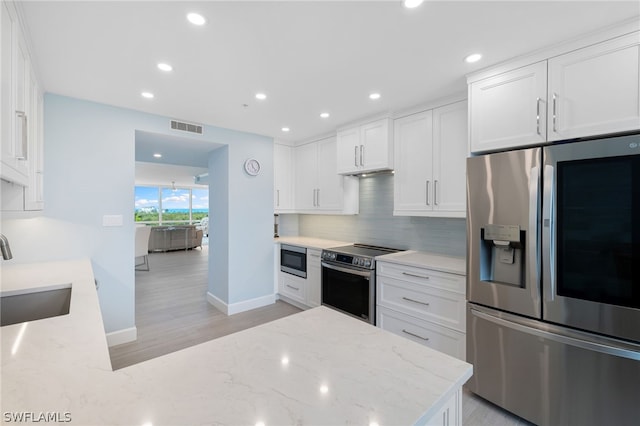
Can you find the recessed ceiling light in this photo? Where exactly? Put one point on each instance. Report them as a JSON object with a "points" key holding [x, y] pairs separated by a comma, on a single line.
{"points": [[157, 155], [147, 95], [374, 96], [165, 67], [324, 115], [285, 129], [196, 19], [474, 57], [261, 96], [411, 4]]}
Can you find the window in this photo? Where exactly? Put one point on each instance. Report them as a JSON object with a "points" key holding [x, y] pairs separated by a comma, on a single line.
{"points": [[170, 206]]}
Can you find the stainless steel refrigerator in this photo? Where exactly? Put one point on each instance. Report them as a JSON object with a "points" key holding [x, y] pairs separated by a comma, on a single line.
{"points": [[553, 281]]}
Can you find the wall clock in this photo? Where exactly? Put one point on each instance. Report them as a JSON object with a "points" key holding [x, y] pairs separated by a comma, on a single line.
{"points": [[252, 167]]}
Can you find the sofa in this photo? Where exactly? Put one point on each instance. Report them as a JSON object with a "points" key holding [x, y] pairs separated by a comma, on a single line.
{"points": [[180, 237]]}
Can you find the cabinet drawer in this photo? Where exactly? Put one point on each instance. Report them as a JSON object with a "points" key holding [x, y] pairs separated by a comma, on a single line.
{"points": [[293, 287], [431, 304], [436, 337], [423, 276]]}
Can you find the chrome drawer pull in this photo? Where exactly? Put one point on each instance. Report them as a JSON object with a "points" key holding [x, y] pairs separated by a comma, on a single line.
{"points": [[295, 288], [415, 275], [415, 335], [415, 301]]}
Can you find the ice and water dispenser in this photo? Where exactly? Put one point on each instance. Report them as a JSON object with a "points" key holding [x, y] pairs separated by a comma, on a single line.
{"points": [[502, 254]]}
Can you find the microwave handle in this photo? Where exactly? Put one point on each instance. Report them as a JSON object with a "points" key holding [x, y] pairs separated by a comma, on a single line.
{"points": [[549, 246], [533, 238]]}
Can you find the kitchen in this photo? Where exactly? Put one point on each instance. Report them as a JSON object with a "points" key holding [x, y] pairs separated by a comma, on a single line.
{"points": [[71, 227]]}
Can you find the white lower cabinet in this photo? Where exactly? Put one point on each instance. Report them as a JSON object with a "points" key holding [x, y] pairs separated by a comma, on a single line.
{"points": [[303, 292], [423, 305], [314, 278], [293, 287], [450, 414]]}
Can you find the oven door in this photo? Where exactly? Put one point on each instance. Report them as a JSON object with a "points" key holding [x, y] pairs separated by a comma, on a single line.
{"points": [[348, 290], [591, 236]]}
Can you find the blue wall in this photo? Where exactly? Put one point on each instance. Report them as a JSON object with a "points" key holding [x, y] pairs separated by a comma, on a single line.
{"points": [[89, 172]]}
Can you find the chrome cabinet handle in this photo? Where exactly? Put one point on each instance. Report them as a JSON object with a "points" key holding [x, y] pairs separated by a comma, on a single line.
{"points": [[409, 274], [23, 133], [415, 335], [314, 198], [435, 192], [415, 301], [295, 288], [278, 197], [538, 115], [555, 116], [318, 197], [355, 155], [362, 155], [428, 183]]}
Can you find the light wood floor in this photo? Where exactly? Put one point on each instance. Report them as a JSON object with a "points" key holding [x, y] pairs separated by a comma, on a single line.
{"points": [[172, 314]]}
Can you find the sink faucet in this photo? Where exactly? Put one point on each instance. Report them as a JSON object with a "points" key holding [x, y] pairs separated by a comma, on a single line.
{"points": [[6, 249]]}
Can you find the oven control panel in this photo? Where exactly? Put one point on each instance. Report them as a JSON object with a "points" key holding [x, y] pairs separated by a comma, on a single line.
{"points": [[345, 259]]}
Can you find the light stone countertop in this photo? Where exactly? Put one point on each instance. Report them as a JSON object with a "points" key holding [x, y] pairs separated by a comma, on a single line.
{"points": [[434, 261], [311, 242], [315, 367]]}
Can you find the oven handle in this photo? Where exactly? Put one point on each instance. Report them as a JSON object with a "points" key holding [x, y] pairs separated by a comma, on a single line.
{"points": [[366, 274]]}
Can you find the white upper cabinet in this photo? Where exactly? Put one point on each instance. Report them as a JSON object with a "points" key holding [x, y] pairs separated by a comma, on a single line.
{"points": [[318, 187], [588, 91], [430, 154], [14, 94], [450, 152], [509, 110], [282, 178], [413, 144], [595, 90], [365, 148]]}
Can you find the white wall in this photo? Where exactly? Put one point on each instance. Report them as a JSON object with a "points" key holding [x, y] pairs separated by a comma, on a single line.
{"points": [[89, 172]]}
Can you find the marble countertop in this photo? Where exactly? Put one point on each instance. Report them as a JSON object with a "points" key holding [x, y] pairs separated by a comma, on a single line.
{"points": [[311, 242], [315, 367], [420, 259]]}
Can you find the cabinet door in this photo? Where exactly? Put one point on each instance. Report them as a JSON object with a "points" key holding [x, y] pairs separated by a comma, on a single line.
{"points": [[306, 173], [314, 276], [450, 151], [509, 110], [413, 181], [348, 151], [330, 192], [13, 65], [376, 147], [595, 90], [33, 193], [283, 178]]}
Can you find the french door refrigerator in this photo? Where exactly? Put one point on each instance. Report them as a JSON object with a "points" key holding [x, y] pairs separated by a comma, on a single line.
{"points": [[553, 281]]}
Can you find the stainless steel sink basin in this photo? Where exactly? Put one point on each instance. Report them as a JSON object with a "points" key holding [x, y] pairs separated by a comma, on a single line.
{"points": [[39, 304]]}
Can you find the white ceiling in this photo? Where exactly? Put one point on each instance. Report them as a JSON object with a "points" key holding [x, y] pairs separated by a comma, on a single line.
{"points": [[167, 174], [308, 57]]}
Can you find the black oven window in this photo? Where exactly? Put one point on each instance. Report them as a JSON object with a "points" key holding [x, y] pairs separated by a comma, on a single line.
{"points": [[346, 292], [598, 230]]}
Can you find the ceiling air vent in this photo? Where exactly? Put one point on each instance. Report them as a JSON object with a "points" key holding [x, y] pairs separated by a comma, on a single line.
{"points": [[186, 127]]}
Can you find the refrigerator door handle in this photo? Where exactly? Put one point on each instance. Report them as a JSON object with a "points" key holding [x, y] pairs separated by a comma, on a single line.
{"points": [[532, 239], [549, 222], [608, 349]]}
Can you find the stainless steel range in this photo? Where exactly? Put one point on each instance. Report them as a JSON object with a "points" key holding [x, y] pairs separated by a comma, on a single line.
{"points": [[349, 279]]}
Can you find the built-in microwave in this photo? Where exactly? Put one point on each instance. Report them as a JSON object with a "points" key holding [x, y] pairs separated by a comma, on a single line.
{"points": [[293, 260]]}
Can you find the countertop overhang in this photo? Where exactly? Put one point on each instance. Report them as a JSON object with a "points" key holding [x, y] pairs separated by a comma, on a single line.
{"points": [[315, 367]]}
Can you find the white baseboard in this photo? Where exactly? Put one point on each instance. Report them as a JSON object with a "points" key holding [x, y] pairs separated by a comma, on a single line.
{"points": [[122, 336], [245, 305]]}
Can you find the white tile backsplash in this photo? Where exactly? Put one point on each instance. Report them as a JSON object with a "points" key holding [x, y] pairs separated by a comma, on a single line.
{"points": [[376, 224]]}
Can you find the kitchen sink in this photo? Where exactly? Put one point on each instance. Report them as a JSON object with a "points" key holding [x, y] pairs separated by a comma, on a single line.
{"points": [[39, 304]]}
